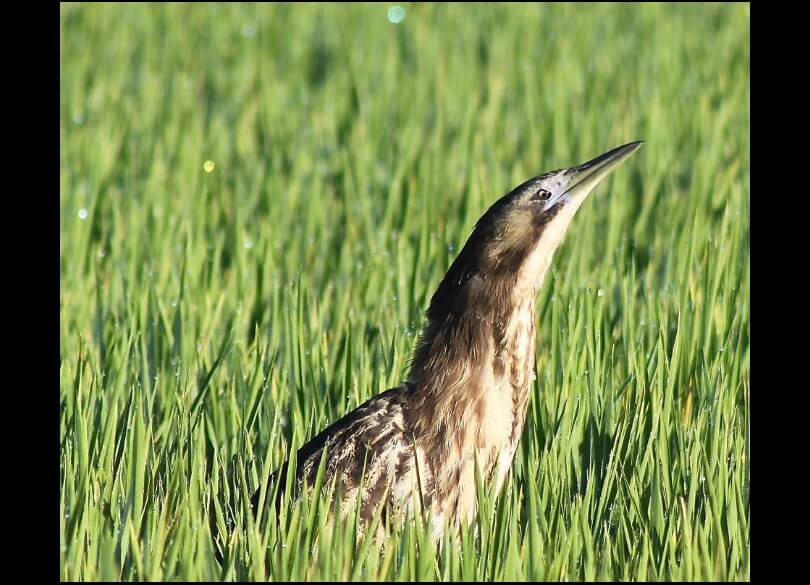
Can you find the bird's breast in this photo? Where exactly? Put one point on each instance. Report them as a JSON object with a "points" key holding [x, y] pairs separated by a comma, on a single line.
{"points": [[488, 419], [504, 413]]}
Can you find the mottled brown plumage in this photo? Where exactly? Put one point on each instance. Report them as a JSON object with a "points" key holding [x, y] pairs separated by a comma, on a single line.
{"points": [[467, 392]]}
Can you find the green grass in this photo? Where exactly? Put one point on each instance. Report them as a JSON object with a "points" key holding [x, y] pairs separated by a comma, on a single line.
{"points": [[210, 321]]}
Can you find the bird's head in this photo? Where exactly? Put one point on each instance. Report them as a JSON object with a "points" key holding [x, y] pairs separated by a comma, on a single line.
{"points": [[505, 259], [520, 232]]}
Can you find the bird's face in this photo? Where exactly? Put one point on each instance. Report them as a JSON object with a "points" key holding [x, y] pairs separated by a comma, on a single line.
{"points": [[528, 224]]}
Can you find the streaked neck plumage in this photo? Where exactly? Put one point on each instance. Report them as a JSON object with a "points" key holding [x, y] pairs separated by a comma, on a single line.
{"points": [[474, 365]]}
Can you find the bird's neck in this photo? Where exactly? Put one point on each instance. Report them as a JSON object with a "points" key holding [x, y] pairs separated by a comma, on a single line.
{"points": [[470, 385], [474, 365], [478, 305], [460, 335], [480, 333]]}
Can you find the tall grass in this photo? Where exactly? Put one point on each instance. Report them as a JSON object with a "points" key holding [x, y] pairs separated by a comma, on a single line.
{"points": [[257, 203]]}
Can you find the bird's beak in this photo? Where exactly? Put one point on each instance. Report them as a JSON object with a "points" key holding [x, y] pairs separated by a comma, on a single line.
{"points": [[583, 178]]}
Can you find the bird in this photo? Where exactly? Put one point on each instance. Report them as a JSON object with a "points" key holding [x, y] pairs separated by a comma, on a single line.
{"points": [[462, 407]]}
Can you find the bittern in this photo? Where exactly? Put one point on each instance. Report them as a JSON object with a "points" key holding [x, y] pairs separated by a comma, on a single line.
{"points": [[464, 402]]}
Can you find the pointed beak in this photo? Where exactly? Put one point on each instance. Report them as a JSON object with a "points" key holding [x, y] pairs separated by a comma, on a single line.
{"points": [[583, 178]]}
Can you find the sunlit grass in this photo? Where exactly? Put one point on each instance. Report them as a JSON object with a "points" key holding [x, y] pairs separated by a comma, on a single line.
{"points": [[257, 203]]}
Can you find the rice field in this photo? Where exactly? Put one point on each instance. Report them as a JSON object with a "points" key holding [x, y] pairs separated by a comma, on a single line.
{"points": [[257, 202]]}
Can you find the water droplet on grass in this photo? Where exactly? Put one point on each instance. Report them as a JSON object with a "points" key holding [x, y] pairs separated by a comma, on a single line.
{"points": [[396, 14]]}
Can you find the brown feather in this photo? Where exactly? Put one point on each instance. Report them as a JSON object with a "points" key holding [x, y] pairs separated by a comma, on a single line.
{"points": [[465, 400], [467, 392]]}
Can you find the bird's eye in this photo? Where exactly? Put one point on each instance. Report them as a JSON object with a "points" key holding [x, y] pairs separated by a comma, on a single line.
{"points": [[541, 195]]}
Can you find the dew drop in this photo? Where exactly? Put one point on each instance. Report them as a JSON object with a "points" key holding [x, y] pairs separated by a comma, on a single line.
{"points": [[396, 14]]}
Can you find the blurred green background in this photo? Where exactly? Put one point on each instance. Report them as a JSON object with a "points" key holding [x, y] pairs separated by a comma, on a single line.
{"points": [[257, 202]]}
